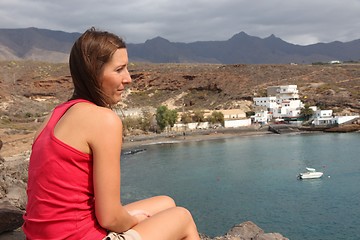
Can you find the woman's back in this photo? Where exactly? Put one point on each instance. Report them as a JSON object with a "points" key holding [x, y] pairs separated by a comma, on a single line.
{"points": [[60, 186]]}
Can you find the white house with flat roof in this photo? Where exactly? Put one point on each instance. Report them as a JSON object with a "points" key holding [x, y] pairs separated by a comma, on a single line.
{"points": [[325, 117], [283, 92], [233, 113], [262, 117], [281, 102], [268, 102], [235, 118]]}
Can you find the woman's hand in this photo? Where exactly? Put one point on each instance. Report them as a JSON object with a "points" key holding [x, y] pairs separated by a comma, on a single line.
{"points": [[140, 215]]}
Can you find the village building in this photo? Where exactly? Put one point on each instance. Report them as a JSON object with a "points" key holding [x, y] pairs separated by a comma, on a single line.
{"points": [[233, 113], [232, 118], [261, 117], [282, 102], [323, 117], [235, 118], [326, 118]]}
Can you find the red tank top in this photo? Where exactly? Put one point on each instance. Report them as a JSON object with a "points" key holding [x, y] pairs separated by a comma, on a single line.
{"points": [[60, 188]]}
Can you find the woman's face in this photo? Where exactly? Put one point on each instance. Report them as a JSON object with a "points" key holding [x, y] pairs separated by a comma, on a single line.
{"points": [[115, 75]]}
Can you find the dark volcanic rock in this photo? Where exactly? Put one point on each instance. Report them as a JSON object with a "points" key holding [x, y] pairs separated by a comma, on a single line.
{"points": [[10, 217]]}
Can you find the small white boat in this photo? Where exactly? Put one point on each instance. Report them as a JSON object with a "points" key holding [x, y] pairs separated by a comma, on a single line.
{"points": [[310, 174]]}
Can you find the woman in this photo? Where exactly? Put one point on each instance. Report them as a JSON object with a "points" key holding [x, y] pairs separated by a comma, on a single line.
{"points": [[74, 171]]}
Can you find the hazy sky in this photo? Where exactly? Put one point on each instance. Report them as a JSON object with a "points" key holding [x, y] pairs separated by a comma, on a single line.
{"points": [[300, 22]]}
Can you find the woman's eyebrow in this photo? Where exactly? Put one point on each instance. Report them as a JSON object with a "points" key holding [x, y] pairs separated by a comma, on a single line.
{"points": [[122, 65]]}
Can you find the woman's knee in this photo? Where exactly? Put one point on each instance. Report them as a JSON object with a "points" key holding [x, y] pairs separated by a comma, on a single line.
{"points": [[184, 214], [166, 201]]}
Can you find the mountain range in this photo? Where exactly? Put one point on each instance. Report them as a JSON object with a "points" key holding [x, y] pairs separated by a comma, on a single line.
{"points": [[54, 46]]}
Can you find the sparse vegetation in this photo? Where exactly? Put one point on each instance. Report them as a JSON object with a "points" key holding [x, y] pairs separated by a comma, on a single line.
{"points": [[130, 123], [29, 90], [165, 117], [326, 87], [198, 116], [216, 117], [306, 112], [186, 117]]}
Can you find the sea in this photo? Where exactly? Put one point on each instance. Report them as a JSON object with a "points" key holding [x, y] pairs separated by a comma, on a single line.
{"points": [[228, 181]]}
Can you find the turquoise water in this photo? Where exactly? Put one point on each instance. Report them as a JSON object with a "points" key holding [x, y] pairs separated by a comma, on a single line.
{"points": [[229, 181]]}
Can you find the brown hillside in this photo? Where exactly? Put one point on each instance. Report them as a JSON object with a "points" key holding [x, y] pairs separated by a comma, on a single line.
{"points": [[223, 86], [29, 90]]}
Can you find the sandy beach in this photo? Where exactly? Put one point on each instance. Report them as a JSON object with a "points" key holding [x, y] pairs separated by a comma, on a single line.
{"points": [[20, 142], [140, 141]]}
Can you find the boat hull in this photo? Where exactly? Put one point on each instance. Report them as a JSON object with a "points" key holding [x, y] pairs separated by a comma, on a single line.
{"points": [[310, 175]]}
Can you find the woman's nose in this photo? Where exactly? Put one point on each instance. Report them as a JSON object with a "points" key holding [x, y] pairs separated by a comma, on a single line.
{"points": [[127, 78]]}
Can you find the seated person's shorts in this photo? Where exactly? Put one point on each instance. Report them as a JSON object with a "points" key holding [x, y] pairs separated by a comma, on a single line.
{"points": [[128, 235]]}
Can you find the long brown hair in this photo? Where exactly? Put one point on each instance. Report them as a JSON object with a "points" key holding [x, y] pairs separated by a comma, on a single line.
{"points": [[87, 57]]}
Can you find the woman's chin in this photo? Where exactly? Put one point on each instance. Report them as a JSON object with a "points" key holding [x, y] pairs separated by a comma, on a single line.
{"points": [[116, 99]]}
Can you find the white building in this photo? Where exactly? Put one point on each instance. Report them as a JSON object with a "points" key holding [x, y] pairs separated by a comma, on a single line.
{"points": [[325, 117], [281, 102], [262, 117], [268, 102], [233, 113], [234, 118], [283, 92], [180, 127], [323, 113], [288, 109], [237, 123]]}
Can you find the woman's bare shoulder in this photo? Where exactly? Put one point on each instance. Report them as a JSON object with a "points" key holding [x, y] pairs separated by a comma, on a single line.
{"points": [[95, 125], [94, 111], [97, 117], [101, 127]]}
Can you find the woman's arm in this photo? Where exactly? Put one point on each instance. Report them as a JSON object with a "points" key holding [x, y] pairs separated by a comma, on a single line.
{"points": [[105, 142]]}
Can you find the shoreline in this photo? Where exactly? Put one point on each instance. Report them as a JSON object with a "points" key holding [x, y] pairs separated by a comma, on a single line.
{"points": [[133, 142], [18, 145]]}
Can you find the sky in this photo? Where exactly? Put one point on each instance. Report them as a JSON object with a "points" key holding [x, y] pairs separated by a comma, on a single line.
{"points": [[301, 22]]}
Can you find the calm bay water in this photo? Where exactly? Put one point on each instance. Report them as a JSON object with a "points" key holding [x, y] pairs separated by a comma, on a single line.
{"points": [[229, 181]]}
